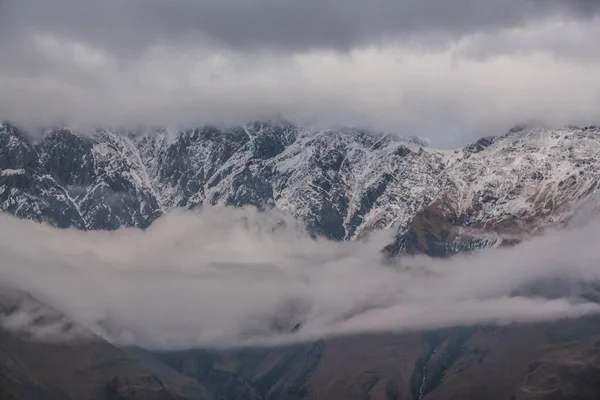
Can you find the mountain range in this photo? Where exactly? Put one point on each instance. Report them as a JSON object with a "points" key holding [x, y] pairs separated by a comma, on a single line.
{"points": [[342, 184]]}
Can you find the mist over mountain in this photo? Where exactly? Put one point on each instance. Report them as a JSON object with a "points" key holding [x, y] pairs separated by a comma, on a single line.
{"points": [[161, 239], [222, 277], [272, 247]]}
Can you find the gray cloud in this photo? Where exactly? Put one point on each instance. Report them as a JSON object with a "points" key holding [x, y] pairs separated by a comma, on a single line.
{"points": [[445, 95], [452, 71], [228, 277], [583, 7], [129, 28], [561, 38]]}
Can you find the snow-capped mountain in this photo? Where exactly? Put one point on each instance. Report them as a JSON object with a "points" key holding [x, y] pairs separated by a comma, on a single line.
{"points": [[340, 183], [337, 182]]}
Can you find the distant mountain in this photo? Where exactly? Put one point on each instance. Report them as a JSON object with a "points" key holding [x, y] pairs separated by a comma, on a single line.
{"points": [[340, 183]]}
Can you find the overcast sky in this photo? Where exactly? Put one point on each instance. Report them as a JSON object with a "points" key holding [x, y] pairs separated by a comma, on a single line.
{"points": [[451, 70]]}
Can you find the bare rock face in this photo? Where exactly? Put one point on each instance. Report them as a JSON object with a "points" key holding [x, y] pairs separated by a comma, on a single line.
{"points": [[142, 387], [46, 356]]}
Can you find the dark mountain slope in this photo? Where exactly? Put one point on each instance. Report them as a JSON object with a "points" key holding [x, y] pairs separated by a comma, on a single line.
{"points": [[86, 367]]}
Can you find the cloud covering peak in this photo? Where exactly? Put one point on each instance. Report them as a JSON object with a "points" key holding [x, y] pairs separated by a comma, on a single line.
{"points": [[451, 70]]}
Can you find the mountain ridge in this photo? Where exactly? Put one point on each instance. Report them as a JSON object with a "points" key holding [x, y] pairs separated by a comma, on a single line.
{"points": [[340, 184]]}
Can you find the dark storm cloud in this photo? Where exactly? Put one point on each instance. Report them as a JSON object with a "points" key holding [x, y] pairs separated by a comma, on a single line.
{"points": [[582, 6], [129, 27], [487, 64]]}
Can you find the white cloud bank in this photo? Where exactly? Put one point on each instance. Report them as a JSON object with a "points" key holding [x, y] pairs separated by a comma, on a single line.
{"points": [[227, 277]]}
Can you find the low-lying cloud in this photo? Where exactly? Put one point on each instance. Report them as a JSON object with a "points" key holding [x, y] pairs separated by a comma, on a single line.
{"points": [[228, 277]]}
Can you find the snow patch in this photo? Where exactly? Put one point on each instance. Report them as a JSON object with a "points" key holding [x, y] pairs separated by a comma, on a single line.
{"points": [[12, 172]]}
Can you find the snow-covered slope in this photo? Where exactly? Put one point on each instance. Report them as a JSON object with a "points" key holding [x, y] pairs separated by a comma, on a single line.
{"points": [[340, 183], [499, 190], [539, 172]]}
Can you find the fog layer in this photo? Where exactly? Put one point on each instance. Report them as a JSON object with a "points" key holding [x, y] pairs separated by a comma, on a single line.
{"points": [[227, 277]]}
